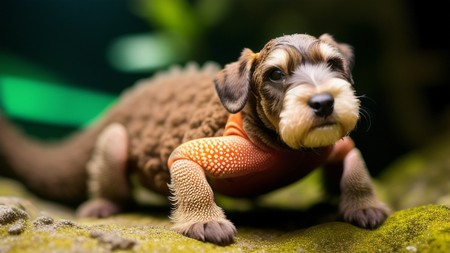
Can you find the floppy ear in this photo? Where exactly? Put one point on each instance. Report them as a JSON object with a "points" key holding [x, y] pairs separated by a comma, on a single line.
{"points": [[233, 82], [346, 51]]}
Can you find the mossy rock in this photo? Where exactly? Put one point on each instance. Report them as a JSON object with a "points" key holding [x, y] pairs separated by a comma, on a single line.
{"points": [[284, 221], [420, 177], [421, 229]]}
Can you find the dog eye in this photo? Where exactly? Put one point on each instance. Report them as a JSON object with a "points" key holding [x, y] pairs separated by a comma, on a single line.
{"points": [[335, 64], [276, 75]]}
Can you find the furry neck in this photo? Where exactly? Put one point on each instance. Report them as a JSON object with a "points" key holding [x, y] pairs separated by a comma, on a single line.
{"points": [[258, 128]]}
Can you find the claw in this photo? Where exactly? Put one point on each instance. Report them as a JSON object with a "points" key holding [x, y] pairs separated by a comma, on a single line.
{"points": [[99, 208], [218, 232], [370, 218]]}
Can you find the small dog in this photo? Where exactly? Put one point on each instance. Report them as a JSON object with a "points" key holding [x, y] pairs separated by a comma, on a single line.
{"points": [[292, 106], [273, 117]]}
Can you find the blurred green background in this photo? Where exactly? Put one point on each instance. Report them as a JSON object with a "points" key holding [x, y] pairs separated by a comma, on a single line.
{"points": [[63, 62]]}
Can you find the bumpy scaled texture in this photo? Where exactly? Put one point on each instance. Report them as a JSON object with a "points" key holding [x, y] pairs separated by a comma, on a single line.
{"points": [[224, 157]]}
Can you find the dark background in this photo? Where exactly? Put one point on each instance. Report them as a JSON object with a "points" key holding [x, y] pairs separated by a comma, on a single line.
{"points": [[401, 50]]}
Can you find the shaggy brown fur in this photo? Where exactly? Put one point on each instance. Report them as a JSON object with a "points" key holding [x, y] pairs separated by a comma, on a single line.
{"points": [[191, 110]]}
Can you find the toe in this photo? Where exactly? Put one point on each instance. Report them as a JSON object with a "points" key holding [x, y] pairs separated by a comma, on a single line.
{"points": [[99, 208], [218, 232]]}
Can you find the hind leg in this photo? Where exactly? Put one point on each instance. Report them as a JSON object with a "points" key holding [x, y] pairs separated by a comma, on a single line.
{"points": [[108, 184]]}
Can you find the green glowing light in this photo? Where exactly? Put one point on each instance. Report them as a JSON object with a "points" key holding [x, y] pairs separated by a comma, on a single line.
{"points": [[144, 52], [50, 102]]}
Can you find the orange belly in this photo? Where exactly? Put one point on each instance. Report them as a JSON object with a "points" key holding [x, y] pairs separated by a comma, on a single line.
{"points": [[285, 168]]}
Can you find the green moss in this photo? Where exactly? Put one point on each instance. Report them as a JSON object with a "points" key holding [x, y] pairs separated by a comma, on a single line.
{"points": [[421, 229], [424, 229], [419, 177], [411, 229]]}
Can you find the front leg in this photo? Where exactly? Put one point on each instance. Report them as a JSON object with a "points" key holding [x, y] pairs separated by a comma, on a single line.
{"points": [[358, 202], [196, 215]]}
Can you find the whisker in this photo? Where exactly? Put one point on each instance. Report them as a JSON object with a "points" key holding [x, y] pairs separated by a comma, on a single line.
{"points": [[364, 96], [365, 113]]}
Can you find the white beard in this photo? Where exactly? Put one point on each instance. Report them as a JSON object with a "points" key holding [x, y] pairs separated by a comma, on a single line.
{"points": [[299, 127]]}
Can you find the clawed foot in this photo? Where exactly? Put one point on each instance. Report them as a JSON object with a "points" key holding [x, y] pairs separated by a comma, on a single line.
{"points": [[369, 217], [99, 208], [220, 232]]}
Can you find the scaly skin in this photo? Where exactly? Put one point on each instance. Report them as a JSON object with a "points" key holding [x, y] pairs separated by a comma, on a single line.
{"points": [[232, 164], [232, 155]]}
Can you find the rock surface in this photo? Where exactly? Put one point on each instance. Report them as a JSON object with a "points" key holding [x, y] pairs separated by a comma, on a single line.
{"points": [[421, 177], [24, 227]]}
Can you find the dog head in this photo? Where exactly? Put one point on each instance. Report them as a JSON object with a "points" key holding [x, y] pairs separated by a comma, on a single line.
{"points": [[302, 86]]}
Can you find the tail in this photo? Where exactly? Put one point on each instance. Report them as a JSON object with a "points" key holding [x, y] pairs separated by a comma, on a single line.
{"points": [[55, 171]]}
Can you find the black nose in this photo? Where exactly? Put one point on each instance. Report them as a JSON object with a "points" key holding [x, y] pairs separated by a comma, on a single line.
{"points": [[322, 104]]}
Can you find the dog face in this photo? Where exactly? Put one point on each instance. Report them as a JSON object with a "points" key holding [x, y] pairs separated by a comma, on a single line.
{"points": [[302, 85]]}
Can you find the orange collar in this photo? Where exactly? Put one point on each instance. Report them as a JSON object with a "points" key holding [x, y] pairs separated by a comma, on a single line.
{"points": [[234, 126]]}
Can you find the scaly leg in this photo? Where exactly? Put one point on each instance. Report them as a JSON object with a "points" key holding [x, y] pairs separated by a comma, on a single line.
{"points": [[196, 215], [107, 179]]}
